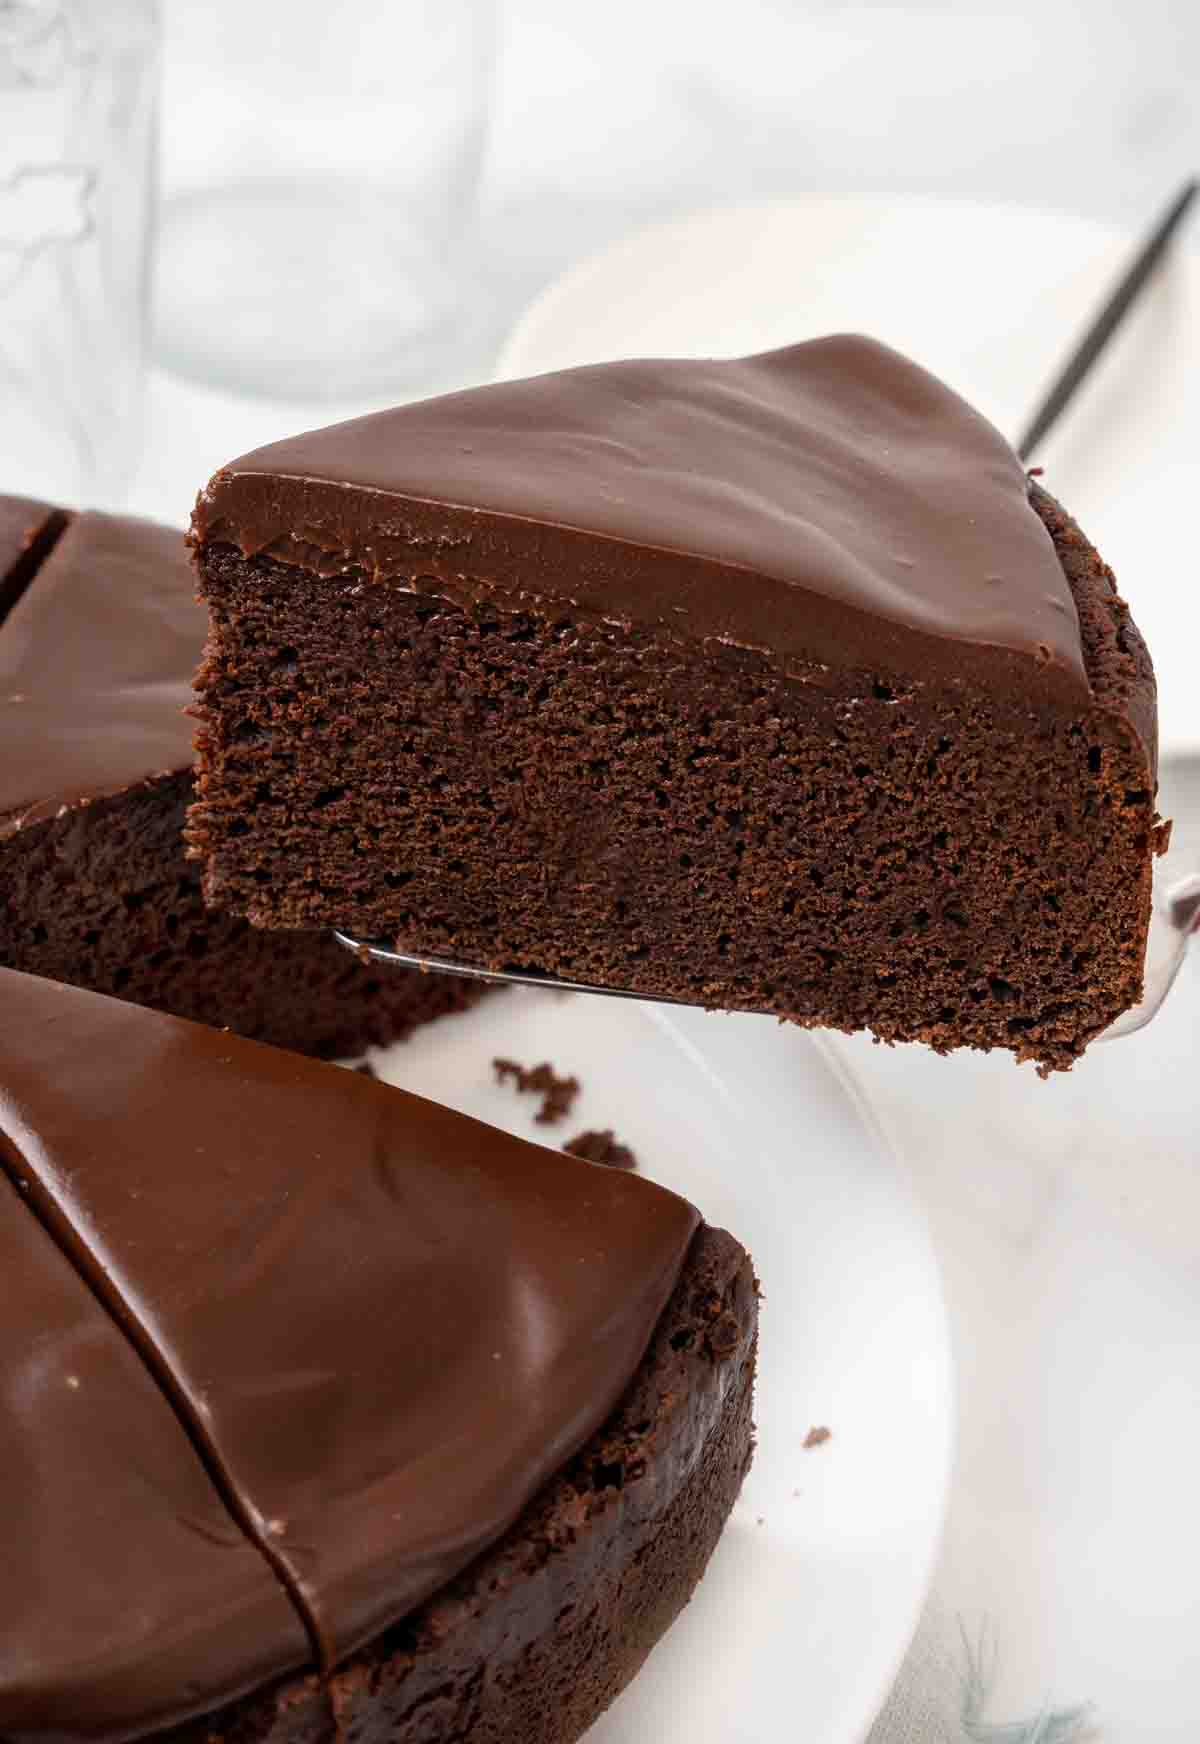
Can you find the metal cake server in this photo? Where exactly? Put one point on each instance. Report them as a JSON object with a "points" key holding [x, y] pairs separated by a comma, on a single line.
{"points": [[380, 953], [1174, 920], [1176, 911]]}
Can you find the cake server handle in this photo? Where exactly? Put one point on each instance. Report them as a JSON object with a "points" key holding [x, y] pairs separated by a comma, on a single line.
{"points": [[1120, 300]]}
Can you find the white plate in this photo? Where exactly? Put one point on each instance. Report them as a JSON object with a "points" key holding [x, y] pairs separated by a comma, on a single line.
{"points": [[811, 1600], [989, 297]]}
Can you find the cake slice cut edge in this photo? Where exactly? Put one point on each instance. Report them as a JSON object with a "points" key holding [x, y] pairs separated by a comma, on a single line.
{"points": [[532, 1642], [100, 633], [874, 748]]}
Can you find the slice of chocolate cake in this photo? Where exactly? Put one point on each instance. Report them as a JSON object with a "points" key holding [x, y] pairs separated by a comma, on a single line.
{"points": [[770, 684], [480, 1409], [97, 655]]}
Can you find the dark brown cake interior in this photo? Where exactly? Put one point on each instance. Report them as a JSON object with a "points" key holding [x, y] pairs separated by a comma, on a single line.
{"points": [[103, 897], [96, 662], [845, 848]]}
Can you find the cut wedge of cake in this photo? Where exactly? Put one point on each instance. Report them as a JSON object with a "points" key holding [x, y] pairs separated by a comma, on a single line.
{"points": [[769, 684], [97, 654], [359, 1409]]}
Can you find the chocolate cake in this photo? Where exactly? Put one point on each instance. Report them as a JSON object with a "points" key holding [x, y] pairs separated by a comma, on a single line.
{"points": [[323, 1406], [770, 684], [122, 1578], [97, 655]]}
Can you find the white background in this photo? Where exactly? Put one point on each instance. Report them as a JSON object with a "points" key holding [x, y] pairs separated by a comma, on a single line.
{"points": [[655, 105], [605, 115]]}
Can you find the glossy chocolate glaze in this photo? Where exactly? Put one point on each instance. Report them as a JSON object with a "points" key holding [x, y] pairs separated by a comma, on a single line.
{"points": [[384, 1325], [96, 662], [828, 502], [127, 1596]]}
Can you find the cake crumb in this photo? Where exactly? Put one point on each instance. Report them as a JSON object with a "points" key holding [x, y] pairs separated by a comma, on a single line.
{"points": [[557, 1094], [601, 1147], [817, 1436]]}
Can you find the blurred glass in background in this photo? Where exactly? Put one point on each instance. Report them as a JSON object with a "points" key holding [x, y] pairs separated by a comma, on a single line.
{"points": [[321, 173], [78, 86], [1084, 106]]}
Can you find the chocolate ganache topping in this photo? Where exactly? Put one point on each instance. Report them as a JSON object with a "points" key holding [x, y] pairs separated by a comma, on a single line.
{"points": [[382, 1325], [828, 502], [128, 1598], [96, 664]]}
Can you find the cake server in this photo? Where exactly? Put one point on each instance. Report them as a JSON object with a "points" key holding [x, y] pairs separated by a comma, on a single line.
{"points": [[1101, 329], [1174, 920], [1175, 915]]}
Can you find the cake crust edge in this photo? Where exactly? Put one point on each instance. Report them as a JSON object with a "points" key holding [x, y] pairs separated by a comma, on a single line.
{"points": [[542, 1632]]}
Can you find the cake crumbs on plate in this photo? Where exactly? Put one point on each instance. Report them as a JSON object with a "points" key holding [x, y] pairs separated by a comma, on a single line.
{"points": [[558, 1094], [601, 1147], [817, 1436]]}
